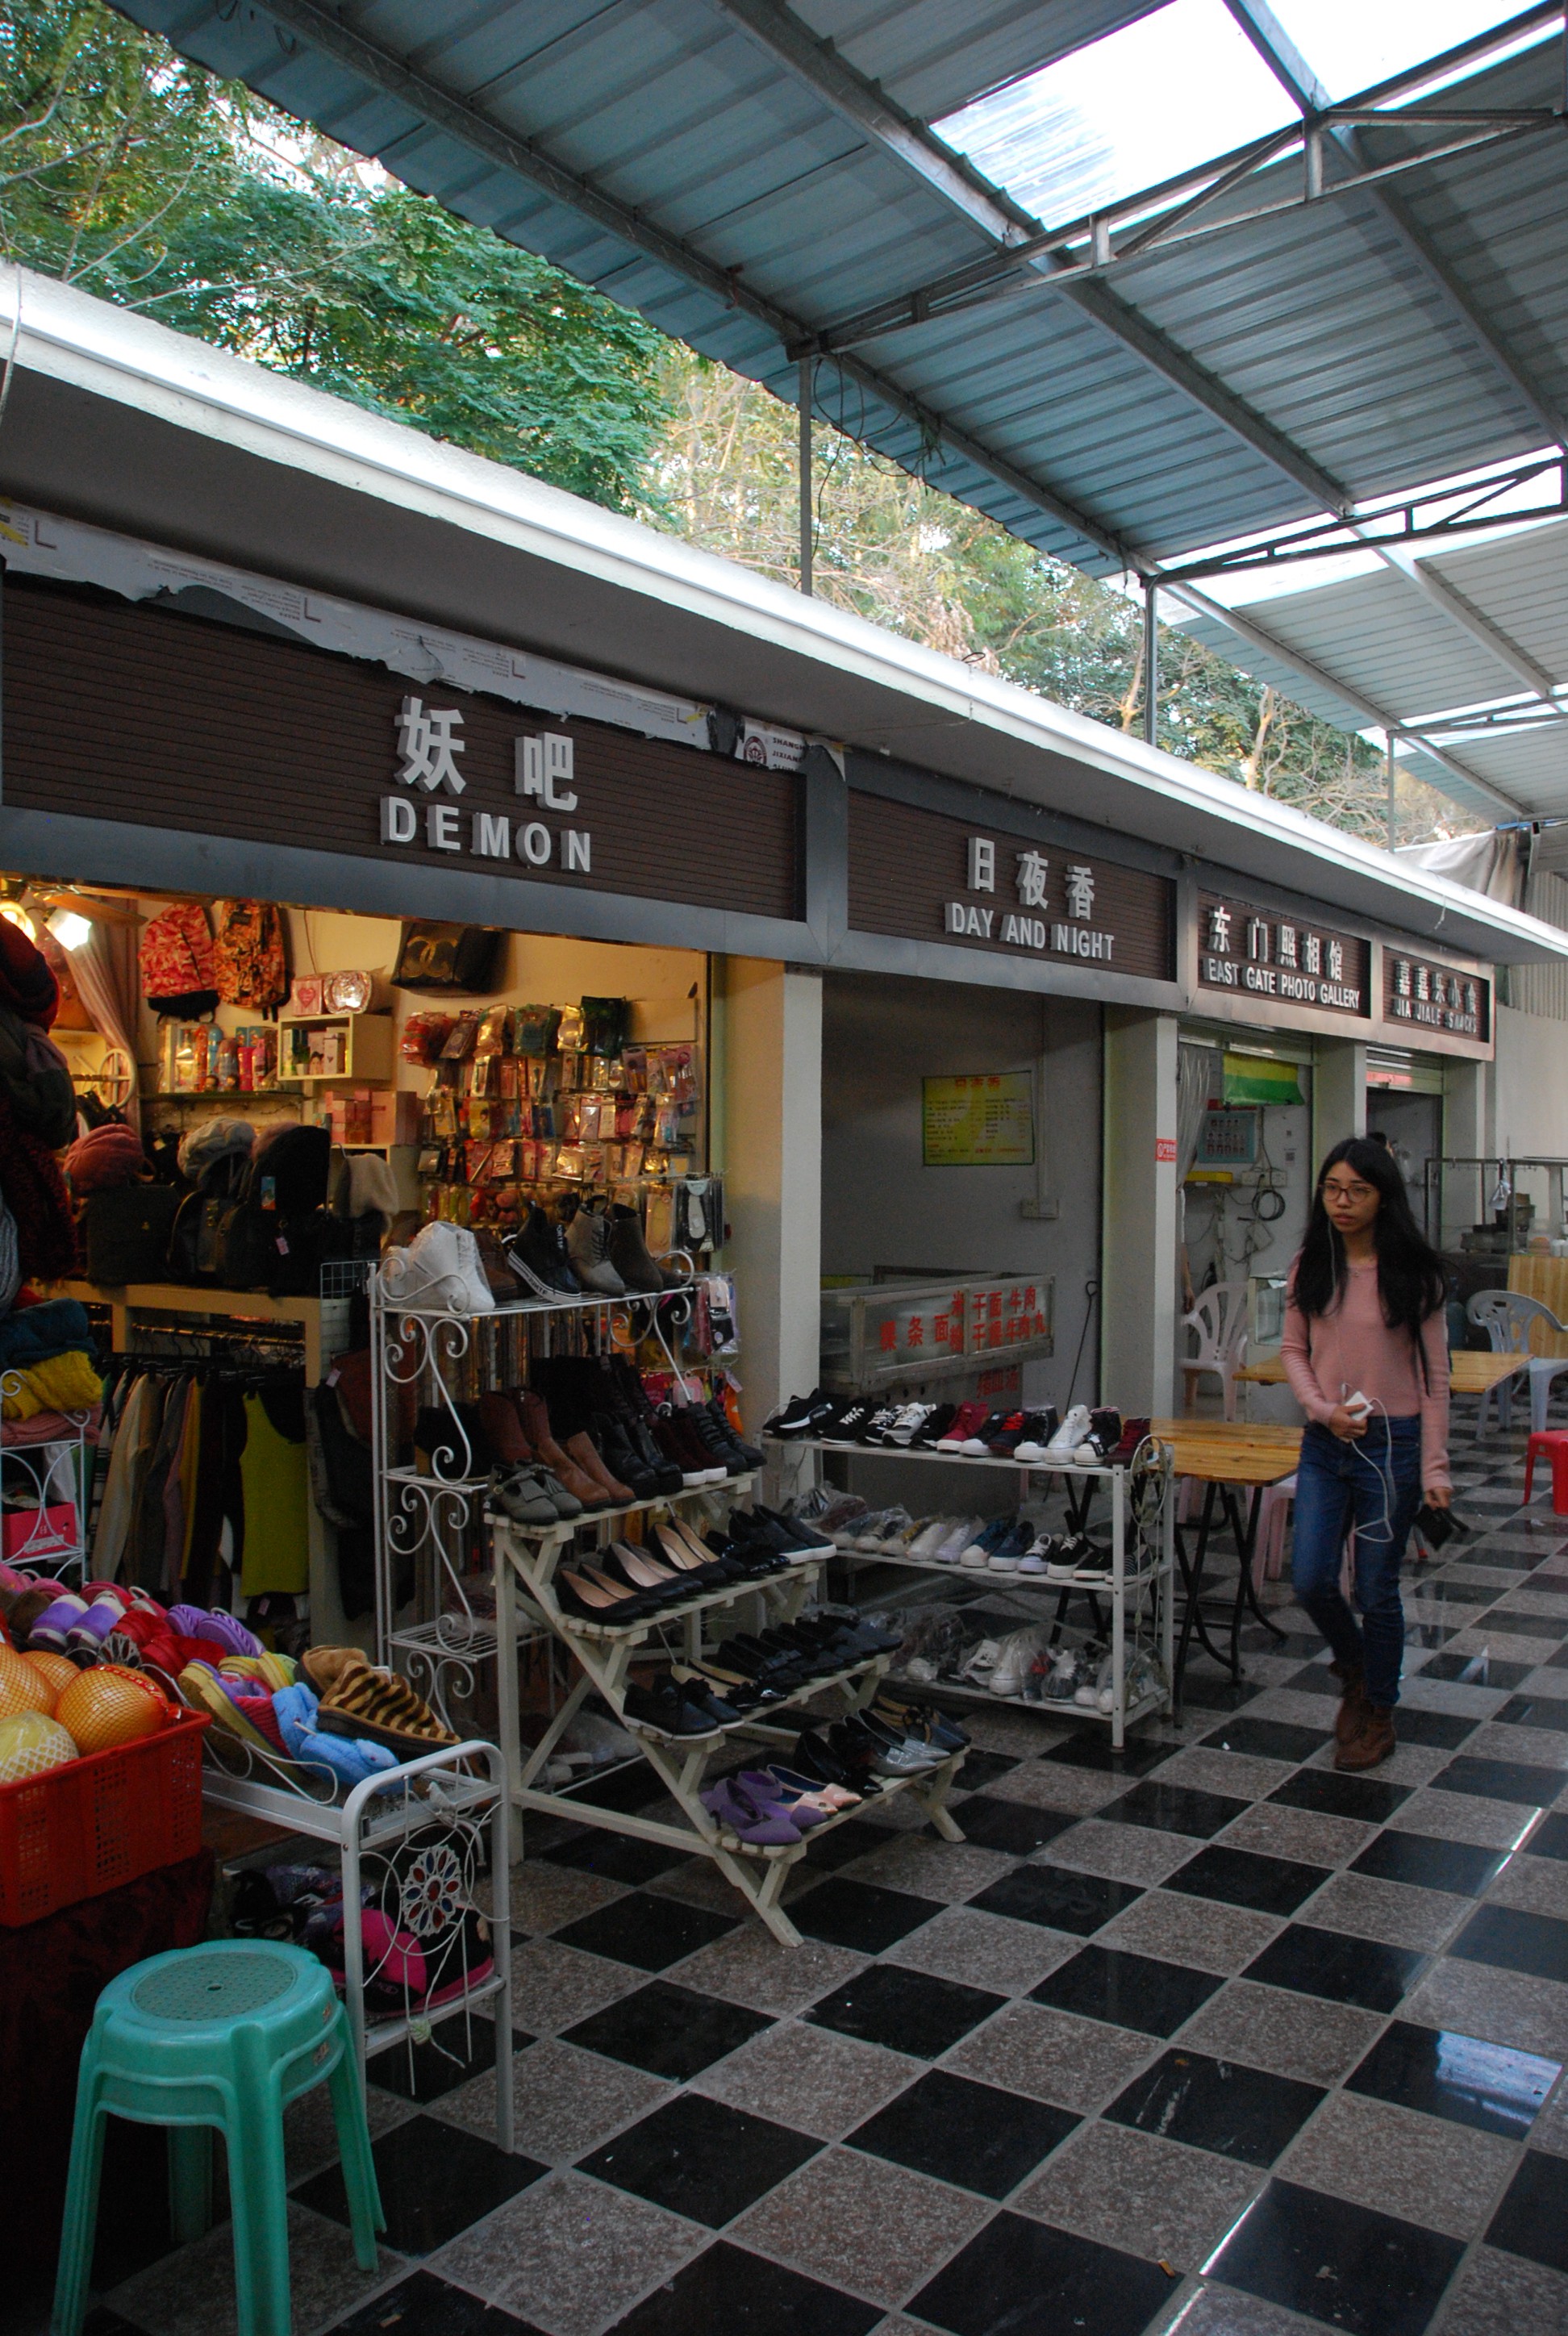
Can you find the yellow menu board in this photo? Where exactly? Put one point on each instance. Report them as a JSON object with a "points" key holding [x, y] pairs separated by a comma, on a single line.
{"points": [[985, 1121]]}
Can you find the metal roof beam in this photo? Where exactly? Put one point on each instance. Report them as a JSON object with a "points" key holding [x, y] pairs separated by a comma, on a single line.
{"points": [[1269, 645], [458, 118], [1479, 627], [858, 101], [1308, 95]]}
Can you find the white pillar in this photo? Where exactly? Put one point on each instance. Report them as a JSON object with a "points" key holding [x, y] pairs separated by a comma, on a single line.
{"points": [[769, 1025], [1138, 1236], [1338, 1094]]}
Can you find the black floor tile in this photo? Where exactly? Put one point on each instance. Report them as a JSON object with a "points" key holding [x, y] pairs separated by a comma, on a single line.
{"points": [[1206, 1693], [1533, 2219], [1559, 1661], [1242, 1877], [1368, 2273], [971, 2134], [434, 2179], [839, 1844], [1535, 1711], [1174, 1809], [1501, 1780], [860, 1914], [1550, 1838], [615, 1857], [1527, 1626], [1302, 1644], [1315, 1678], [423, 2305], [982, 1768], [1019, 2278], [1091, 1747], [1128, 1990], [1346, 1970], [728, 2289], [423, 2072], [907, 2010], [667, 2031], [1513, 1939], [1474, 1670], [1330, 1795], [1269, 1739], [1010, 1825], [701, 2158], [1217, 2104], [647, 1931], [1444, 1731], [1430, 1865], [1062, 1900], [1456, 2077]]}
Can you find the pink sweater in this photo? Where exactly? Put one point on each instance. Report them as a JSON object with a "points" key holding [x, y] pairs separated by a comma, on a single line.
{"points": [[1351, 1347]]}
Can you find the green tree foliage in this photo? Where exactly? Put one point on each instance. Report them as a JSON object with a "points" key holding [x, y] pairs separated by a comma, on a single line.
{"points": [[143, 179]]}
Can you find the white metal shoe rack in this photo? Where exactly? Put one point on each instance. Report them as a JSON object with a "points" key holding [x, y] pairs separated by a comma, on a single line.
{"points": [[1138, 1592]]}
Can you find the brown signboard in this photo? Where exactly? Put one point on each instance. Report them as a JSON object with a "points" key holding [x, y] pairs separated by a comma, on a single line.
{"points": [[924, 876], [1266, 957], [1431, 999], [119, 710]]}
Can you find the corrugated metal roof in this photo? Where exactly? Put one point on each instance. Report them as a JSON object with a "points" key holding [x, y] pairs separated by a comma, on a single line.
{"points": [[699, 161]]}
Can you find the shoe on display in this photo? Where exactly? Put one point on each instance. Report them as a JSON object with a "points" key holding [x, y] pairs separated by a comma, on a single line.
{"points": [[1016, 1660], [1007, 1436], [930, 1539], [967, 1417], [921, 1720], [1104, 1434], [630, 1255], [1134, 1431], [666, 1709], [1062, 1677], [934, 1427], [977, 1555], [1069, 1435], [519, 1493], [539, 1260], [981, 1662], [848, 1426], [720, 1417], [950, 1551], [439, 1269], [909, 1423], [894, 1538], [1034, 1560], [1040, 1427], [588, 1247], [803, 1414], [871, 1529], [977, 1445], [1076, 1558], [805, 1535], [1007, 1556], [877, 1425]]}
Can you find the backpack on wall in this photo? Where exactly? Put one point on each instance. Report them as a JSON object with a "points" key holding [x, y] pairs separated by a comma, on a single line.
{"points": [[251, 967], [178, 976]]}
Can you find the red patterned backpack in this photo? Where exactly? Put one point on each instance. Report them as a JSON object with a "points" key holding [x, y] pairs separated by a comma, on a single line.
{"points": [[177, 969]]}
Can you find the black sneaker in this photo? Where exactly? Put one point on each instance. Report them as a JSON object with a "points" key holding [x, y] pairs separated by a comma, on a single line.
{"points": [[720, 1418], [803, 1414], [802, 1536], [885, 1417], [851, 1423], [940, 1420], [538, 1256]]}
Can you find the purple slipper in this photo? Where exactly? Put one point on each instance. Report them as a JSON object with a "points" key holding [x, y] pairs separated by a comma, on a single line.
{"points": [[764, 1822], [196, 1622], [53, 1626], [770, 1794]]}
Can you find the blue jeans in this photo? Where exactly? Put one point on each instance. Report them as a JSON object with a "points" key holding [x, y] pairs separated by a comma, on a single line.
{"points": [[1373, 1482]]}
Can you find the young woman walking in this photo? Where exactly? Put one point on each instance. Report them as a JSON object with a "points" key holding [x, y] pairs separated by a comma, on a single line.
{"points": [[1365, 1317]]}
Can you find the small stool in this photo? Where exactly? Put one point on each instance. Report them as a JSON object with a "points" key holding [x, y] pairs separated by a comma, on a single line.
{"points": [[223, 2035], [1553, 1444]]}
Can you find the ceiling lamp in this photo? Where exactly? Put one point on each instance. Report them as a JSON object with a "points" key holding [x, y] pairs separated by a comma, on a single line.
{"points": [[68, 929]]}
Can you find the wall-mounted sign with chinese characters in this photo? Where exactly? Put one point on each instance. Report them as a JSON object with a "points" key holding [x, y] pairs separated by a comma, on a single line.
{"points": [[1289, 961], [920, 874], [1433, 998], [984, 1121]]}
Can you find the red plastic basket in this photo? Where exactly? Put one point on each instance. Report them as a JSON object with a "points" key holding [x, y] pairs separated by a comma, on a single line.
{"points": [[100, 1821]]}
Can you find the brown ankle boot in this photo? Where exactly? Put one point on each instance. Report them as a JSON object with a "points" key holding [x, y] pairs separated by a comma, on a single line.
{"points": [[536, 1428], [582, 1449], [1352, 1708], [1373, 1741]]}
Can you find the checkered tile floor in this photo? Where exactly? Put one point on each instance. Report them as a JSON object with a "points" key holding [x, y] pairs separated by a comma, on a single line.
{"points": [[1204, 2037]]}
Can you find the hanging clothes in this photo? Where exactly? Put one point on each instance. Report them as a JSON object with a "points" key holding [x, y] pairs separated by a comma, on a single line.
{"points": [[274, 1550]]}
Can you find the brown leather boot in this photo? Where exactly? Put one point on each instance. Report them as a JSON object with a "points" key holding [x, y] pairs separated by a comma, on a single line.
{"points": [[1352, 1708], [577, 1481], [498, 1416], [1373, 1741], [581, 1448]]}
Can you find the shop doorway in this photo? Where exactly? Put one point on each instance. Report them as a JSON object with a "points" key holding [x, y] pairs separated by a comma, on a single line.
{"points": [[1412, 1127]]}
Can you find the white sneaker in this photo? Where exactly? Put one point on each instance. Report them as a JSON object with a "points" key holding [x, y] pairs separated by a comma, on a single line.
{"points": [[1016, 1661], [927, 1543], [1064, 1442], [439, 1269], [982, 1662], [909, 1423], [958, 1540], [893, 1541], [1034, 1559]]}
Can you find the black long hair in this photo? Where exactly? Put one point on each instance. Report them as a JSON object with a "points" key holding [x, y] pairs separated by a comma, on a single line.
{"points": [[1411, 1281]]}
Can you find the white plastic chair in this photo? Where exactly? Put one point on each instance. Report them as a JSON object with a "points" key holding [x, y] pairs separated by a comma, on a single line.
{"points": [[1219, 1319], [1508, 1318]]}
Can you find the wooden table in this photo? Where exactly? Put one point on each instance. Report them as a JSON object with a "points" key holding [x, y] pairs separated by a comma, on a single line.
{"points": [[1230, 1458]]}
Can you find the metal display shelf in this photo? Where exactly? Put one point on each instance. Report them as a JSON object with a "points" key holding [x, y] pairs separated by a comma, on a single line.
{"points": [[604, 1656], [1138, 1594]]}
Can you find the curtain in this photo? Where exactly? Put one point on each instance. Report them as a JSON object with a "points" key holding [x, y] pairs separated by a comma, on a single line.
{"points": [[1196, 1068], [109, 983]]}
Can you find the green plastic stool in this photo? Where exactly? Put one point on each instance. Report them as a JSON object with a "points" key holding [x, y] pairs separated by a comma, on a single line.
{"points": [[223, 2035]]}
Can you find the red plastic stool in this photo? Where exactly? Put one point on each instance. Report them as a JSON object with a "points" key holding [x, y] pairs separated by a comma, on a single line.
{"points": [[1553, 1443]]}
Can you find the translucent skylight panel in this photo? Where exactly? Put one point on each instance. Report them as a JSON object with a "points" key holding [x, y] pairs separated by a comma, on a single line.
{"points": [[1352, 45], [1144, 104]]}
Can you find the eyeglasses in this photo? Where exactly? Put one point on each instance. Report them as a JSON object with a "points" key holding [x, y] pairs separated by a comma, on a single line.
{"points": [[1358, 1192]]}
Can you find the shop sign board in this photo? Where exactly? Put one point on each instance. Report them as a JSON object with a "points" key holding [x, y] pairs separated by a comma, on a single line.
{"points": [[1429, 997], [975, 1320], [984, 1121], [929, 877], [1265, 956]]}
